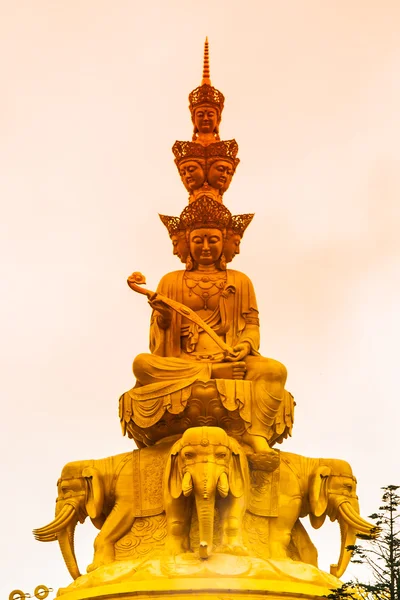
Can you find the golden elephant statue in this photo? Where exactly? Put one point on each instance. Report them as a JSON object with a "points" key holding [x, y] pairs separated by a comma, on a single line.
{"points": [[317, 487], [113, 492], [208, 468], [100, 489]]}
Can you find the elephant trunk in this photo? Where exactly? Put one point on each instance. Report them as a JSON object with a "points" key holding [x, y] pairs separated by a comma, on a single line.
{"points": [[350, 524], [66, 540], [205, 515], [205, 483]]}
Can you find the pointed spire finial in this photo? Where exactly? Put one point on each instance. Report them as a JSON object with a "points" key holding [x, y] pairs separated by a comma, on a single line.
{"points": [[206, 65]]}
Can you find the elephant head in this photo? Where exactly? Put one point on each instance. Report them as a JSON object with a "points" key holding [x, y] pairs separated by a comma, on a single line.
{"points": [[332, 493], [206, 461], [80, 494]]}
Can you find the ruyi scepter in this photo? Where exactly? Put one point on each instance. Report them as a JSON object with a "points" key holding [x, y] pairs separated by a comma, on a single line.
{"points": [[137, 279]]}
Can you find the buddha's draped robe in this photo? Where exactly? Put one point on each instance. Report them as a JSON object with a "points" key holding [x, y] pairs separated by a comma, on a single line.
{"points": [[164, 377]]}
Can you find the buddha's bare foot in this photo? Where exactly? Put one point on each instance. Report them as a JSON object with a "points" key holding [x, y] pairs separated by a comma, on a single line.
{"points": [[234, 370]]}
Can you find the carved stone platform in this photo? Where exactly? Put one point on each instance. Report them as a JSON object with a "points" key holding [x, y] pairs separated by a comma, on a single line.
{"points": [[203, 408], [221, 577]]}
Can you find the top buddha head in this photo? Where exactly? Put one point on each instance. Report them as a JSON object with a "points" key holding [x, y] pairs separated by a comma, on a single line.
{"points": [[206, 104]]}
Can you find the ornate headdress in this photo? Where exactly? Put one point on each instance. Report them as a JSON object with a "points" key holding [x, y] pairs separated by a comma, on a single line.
{"points": [[205, 93], [205, 212], [239, 223], [224, 150], [173, 224], [188, 150]]}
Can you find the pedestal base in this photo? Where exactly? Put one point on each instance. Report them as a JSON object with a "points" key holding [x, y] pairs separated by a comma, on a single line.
{"points": [[221, 577]]}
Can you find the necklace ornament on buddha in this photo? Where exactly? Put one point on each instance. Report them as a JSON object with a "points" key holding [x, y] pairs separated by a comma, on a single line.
{"points": [[206, 285]]}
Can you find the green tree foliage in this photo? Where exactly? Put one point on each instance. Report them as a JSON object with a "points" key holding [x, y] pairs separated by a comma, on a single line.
{"points": [[381, 555]]}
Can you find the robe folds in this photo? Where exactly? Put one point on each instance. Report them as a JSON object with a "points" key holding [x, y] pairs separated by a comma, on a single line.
{"points": [[165, 377]]}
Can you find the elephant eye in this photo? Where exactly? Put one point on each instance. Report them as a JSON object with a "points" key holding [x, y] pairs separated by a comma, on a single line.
{"points": [[189, 455], [221, 455]]}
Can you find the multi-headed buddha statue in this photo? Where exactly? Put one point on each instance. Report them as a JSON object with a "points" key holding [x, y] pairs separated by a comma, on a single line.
{"points": [[205, 505], [205, 325], [183, 351], [206, 164]]}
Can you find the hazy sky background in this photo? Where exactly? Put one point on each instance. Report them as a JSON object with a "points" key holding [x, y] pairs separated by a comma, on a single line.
{"points": [[94, 93]]}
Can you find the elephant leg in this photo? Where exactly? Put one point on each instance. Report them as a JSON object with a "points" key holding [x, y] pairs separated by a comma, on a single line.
{"points": [[178, 512], [231, 512], [117, 524], [280, 529]]}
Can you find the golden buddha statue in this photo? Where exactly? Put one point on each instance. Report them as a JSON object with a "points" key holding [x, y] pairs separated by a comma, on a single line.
{"points": [[205, 506], [206, 165], [183, 352]]}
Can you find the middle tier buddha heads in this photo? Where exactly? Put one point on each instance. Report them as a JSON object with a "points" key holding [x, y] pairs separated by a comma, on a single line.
{"points": [[206, 169]]}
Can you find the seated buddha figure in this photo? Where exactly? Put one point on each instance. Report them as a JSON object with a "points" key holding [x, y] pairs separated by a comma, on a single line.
{"points": [[183, 352]]}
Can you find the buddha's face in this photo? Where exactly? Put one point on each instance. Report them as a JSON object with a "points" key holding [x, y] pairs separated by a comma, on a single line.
{"points": [[232, 245], [192, 175], [220, 175], [180, 246], [206, 245], [205, 118]]}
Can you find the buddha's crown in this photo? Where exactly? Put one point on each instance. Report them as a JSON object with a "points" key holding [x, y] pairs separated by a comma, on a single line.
{"points": [[173, 224], [205, 212], [224, 150], [188, 150], [239, 223]]}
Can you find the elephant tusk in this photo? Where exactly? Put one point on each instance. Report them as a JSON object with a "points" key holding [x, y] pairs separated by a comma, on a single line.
{"points": [[348, 537], [223, 485], [58, 523], [354, 520], [187, 484], [49, 537], [68, 552]]}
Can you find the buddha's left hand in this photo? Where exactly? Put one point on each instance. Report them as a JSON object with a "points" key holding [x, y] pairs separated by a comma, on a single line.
{"points": [[241, 351]]}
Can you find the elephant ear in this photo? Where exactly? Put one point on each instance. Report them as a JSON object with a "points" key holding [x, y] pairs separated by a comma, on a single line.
{"points": [[318, 494], [237, 469], [94, 492], [173, 472]]}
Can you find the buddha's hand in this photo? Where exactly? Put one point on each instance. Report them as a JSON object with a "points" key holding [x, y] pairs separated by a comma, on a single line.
{"points": [[163, 312], [240, 352]]}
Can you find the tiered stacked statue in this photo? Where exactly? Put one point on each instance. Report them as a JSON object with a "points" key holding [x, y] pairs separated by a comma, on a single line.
{"points": [[205, 413]]}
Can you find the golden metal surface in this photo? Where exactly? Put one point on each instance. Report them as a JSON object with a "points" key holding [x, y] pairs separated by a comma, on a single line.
{"points": [[206, 506]]}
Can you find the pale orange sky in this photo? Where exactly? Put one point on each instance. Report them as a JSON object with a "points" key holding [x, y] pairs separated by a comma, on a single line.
{"points": [[94, 93]]}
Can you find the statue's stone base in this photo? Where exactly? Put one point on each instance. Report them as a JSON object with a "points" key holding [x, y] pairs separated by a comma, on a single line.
{"points": [[221, 577], [226, 592]]}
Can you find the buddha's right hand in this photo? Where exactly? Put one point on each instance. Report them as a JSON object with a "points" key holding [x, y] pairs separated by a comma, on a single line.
{"points": [[164, 315]]}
